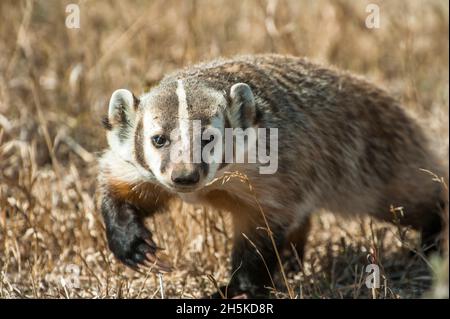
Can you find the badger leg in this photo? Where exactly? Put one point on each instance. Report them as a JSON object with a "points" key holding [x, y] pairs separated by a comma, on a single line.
{"points": [[297, 239], [431, 223], [431, 234], [128, 238], [253, 259], [423, 211]]}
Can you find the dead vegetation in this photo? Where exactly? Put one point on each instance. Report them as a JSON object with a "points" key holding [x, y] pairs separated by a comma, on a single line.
{"points": [[54, 86]]}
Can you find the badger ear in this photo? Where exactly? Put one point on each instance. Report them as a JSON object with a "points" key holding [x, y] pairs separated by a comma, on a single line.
{"points": [[242, 109], [121, 117], [121, 108]]}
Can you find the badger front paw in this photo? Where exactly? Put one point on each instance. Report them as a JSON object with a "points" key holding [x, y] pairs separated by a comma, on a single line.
{"points": [[131, 242]]}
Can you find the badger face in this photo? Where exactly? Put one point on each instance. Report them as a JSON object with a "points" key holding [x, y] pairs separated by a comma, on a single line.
{"points": [[175, 133]]}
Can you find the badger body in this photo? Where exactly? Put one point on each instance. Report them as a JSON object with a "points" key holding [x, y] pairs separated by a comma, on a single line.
{"points": [[344, 145]]}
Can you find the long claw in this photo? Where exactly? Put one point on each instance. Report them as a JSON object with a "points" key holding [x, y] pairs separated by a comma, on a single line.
{"points": [[157, 264], [152, 244]]}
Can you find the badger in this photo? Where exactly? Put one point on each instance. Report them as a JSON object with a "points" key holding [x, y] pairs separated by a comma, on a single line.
{"points": [[342, 145]]}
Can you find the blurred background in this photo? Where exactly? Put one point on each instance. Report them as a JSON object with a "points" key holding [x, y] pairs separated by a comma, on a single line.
{"points": [[55, 83]]}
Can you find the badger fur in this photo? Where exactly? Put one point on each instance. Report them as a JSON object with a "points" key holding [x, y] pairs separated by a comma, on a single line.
{"points": [[344, 145]]}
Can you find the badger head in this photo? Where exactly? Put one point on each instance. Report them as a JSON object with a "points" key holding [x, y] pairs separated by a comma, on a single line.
{"points": [[174, 135]]}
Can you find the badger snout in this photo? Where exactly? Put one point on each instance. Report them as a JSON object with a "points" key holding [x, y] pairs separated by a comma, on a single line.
{"points": [[185, 177]]}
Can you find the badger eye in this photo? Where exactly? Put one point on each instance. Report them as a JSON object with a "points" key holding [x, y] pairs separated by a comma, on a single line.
{"points": [[159, 141]]}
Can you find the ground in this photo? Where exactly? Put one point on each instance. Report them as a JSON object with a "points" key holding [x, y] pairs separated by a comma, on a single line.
{"points": [[55, 83]]}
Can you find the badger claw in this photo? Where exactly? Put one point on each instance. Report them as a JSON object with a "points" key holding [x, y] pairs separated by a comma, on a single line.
{"points": [[131, 242], [156, 263]]}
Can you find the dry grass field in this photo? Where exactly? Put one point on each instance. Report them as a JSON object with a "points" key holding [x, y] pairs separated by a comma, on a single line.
{"points": [[55, 83]]}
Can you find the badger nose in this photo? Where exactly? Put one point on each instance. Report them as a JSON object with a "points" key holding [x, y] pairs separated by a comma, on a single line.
{"points": [[185, 178]]}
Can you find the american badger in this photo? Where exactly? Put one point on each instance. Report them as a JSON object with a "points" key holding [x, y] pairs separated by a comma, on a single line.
{"points": [[342, 144]]}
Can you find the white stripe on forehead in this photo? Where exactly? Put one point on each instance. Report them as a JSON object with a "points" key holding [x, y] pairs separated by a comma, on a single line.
{"points": [[183, 116]]}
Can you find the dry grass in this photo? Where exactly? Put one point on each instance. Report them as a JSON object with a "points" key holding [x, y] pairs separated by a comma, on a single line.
{"points": [[54, 88]]}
